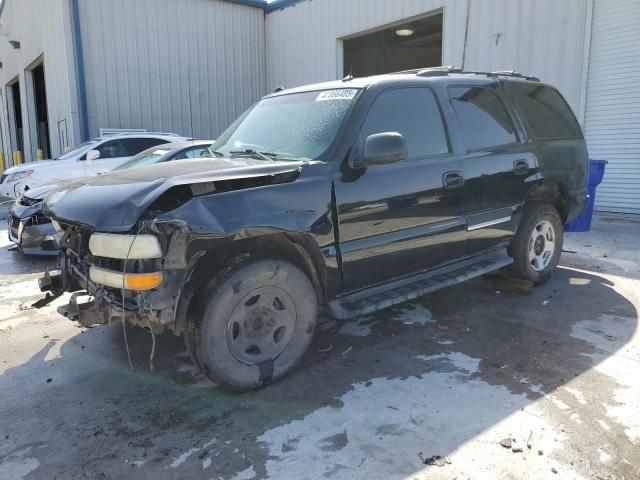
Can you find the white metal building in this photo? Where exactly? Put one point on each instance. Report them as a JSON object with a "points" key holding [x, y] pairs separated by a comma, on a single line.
{"points": [[184, 66], [192, 66]]}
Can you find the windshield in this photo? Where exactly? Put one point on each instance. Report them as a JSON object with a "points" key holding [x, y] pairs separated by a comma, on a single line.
{"points": [[294, 126], [75, 151], [148, 157]]}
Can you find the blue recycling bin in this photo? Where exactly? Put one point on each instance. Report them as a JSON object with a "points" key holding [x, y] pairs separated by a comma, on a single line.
{"points": [[583, 222]]}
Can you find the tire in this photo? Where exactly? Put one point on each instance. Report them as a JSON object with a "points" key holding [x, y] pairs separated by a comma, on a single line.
{"points": [[537, 245], [254, 323]]}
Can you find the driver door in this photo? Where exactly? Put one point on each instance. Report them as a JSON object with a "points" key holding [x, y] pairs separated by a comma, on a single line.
{"points": [[399, 218]]}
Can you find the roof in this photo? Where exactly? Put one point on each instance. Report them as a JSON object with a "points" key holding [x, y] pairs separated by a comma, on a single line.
{"points": [[266, 5], [438, 74]]}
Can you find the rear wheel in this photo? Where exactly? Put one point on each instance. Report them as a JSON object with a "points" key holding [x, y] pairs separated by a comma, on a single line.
{"points": [[255, 323], [537, 245]]}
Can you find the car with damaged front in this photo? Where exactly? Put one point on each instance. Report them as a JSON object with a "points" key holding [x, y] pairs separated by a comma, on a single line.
{"points": [[32, 232], [345, 197]]}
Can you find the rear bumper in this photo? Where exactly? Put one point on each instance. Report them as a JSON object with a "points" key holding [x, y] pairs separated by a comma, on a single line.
{"points": [[577, 203]]}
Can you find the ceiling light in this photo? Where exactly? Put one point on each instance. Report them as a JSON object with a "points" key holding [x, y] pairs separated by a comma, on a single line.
{"points": [[404, 32]]}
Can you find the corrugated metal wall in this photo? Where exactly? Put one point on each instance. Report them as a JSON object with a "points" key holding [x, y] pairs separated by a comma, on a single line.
{"points": [[541, 37], [189, 66], [43, 27], [612, 120]]}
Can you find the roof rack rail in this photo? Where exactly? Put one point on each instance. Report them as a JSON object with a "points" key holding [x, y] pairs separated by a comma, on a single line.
{"points": [[447, 69], [142, 133]]}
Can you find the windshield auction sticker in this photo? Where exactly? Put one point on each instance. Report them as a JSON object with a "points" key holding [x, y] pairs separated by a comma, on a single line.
{"points": [[341, 94]]}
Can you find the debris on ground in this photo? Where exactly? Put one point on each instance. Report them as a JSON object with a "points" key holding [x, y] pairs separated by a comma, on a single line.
{"points": [[443, 328], [436, 460], [553, 470], [506, 442], [325, 349], [540, 452], [514, 286], [545, 303], [49, 380], [529, 444], [347, 351]]}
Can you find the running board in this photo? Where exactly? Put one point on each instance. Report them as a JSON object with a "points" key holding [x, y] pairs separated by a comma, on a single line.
{"points": [[376, 298]]}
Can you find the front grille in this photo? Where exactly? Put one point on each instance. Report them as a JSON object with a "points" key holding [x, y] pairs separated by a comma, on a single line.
{"points": [[14, 223]]}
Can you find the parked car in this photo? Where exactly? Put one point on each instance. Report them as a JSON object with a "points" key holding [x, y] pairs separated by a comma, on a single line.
{"points": [[98, 155], [33, 232], [352, 195]]}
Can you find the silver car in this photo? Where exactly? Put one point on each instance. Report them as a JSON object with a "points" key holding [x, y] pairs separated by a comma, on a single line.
{"points": [[33, 232]]}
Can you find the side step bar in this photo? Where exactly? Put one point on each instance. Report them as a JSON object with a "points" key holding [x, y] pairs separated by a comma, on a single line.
{"points": [[376, 298]]}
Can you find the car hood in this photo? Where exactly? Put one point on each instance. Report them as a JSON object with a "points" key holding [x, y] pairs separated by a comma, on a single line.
{"points": [[115, 201], [31, 166]]}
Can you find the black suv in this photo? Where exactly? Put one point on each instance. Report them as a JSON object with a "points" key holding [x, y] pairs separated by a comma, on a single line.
{"points": [[352, 196]]}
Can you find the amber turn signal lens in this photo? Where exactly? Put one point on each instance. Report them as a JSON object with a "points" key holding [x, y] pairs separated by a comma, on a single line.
{"points": [[143, 281]]}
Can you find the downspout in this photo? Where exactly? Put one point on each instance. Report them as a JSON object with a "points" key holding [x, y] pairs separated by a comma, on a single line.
{"points": [[82, 88]]}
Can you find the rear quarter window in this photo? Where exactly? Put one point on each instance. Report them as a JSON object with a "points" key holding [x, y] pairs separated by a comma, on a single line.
{"points": [[483, 118], [545, 114]]}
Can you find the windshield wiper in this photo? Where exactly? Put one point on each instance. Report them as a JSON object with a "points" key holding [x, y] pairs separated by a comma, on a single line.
{"points": [[254, 153], [216, 154]]}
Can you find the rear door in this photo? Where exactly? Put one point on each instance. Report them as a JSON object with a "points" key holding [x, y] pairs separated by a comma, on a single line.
{"points": [[498, 167], [397, 219]]}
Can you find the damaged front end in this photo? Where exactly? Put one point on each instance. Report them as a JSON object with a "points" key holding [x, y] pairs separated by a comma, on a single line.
{"points": [[135, 277]]}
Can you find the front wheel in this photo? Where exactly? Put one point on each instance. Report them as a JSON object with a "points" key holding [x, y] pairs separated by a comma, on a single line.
{"points": [[537, 245], [255, 323]]}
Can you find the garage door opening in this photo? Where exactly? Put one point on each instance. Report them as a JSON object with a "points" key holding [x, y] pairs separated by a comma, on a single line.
{"points": [[15, 117], [413, 44], [42, 116]]}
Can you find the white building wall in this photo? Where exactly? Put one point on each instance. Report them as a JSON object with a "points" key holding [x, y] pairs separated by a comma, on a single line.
{"points": [[43, 28], [188, 66], [612, 122], [545, 38]]}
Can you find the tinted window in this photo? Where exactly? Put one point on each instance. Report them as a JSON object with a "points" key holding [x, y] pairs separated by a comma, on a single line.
{"points": [[483, 118], [544, 111], [412, 112], [201, 151], [133, 146], [112, 149]]}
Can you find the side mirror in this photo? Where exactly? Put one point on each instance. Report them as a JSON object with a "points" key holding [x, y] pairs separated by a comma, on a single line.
{"points": [[92, 155], [382, 149]]}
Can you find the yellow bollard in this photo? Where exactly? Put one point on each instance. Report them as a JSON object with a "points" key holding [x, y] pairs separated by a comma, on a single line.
{"points": [[1, 163], [39, 154], [67, 149], [19, 157]]}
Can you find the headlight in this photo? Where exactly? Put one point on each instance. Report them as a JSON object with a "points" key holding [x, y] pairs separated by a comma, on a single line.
{"points": [[127, 281], [134, 247], [14, 177]]}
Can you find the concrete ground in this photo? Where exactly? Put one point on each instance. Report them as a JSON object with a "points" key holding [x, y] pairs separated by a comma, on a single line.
{"points": [[555, 373]]}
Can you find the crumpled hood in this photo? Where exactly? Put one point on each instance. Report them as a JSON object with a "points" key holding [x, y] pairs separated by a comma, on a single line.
{"points": [[114, 202]]}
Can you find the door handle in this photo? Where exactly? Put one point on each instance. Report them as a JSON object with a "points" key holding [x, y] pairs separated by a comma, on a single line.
{"points": [[453, 179], [520, 167]]}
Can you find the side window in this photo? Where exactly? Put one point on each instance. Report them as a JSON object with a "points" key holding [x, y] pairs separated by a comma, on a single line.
{"points": [[133, 146], [545, 113], [482, 116], [412, 112], [193, 152], [112, 149]]}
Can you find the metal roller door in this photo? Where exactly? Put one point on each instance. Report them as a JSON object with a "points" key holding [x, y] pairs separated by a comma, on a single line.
{"points": [[612, 115]]}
